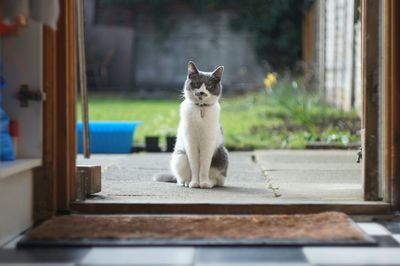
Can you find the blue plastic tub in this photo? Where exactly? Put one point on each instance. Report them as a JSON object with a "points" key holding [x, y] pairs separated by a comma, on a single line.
{"points": [[109, 136]]}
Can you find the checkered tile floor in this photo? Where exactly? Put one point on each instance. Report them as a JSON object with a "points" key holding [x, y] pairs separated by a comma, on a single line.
{"points": [[387, 234]]}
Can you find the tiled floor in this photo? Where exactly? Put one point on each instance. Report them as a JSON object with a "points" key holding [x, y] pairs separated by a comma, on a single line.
{"points": [[387, 234]]}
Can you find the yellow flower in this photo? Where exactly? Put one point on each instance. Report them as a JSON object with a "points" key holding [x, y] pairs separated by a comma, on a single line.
{"points": [[267, 83], [270, 80], [272, 77]]}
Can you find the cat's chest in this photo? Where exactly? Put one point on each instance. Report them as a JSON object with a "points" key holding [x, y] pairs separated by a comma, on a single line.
{"points": [[200, 116]]}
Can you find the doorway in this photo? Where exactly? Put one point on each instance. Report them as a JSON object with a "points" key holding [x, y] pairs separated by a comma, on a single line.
{"points": [[313, 105]]}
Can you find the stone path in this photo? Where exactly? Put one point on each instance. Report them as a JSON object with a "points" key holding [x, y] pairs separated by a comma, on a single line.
{"points": [[253, 177]]}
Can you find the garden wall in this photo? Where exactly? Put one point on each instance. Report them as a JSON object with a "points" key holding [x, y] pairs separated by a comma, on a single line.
{"points": [[149, 55]]}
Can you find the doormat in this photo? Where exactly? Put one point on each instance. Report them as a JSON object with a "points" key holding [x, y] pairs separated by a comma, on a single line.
{"points": [[328, 228]]}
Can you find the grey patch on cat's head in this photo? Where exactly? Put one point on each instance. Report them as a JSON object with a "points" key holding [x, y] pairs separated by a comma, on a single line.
{"points": [[211, 80], [217, 73], [220, 160], [192, 70]]}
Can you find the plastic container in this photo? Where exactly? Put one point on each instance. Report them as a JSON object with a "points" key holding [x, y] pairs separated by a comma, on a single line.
{"points": [[171, 140], [6, 144], [152, 144], [109, 136], [14, 133]]}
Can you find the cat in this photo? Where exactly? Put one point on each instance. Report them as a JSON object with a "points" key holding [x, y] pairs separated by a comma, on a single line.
{"points": [[200, 159]]}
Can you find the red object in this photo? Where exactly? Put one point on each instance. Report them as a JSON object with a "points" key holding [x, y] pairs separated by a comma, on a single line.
{"points": [[14, 129], [10, 28], [6, 29]]}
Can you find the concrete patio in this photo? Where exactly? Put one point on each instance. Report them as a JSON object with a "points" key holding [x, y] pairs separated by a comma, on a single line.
{"points": [[271, 176]]}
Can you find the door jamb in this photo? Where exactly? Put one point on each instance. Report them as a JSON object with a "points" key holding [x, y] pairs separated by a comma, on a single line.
{"points": [[54, 183], [391, 104], [370, 102], [60, 118]]}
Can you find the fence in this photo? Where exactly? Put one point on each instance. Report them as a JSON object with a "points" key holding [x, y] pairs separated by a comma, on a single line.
{"points": [[332, 46]]}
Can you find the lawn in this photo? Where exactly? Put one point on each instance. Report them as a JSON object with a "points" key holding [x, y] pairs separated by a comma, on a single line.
{"points": [[282, 117]]}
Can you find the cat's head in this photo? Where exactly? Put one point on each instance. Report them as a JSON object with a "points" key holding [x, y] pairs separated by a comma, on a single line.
{"points": [[203, 87]]}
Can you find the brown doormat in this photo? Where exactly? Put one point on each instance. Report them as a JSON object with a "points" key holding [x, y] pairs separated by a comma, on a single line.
{"points": [[329, 228]]}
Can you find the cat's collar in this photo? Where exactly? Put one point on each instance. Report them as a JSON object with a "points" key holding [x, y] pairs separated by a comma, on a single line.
{"points": [[203, 104]]}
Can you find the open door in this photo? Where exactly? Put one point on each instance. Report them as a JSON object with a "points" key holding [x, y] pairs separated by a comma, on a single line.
{"points": [[372, 99]]}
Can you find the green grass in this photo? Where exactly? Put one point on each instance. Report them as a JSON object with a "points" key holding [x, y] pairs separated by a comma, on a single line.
{"points": [[160, 117], [285, 117]]}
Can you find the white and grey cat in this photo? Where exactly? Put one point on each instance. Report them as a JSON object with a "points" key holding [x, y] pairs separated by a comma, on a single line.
{"points": [[199, 158]]}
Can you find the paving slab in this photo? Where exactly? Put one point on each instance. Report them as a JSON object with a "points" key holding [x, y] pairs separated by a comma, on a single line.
{"points": [[331, 175], [308, 159], [299, 176]]}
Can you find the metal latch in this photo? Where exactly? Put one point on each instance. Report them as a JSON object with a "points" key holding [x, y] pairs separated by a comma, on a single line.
{"points": [[359, 155], [25, 94]]}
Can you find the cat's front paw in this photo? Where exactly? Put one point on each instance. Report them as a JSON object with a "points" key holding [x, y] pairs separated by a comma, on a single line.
{"points": [[194, 184], [183, 183], [206, 184]]}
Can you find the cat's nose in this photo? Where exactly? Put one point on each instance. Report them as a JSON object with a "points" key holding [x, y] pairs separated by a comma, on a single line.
{"points": [[200, 94]]}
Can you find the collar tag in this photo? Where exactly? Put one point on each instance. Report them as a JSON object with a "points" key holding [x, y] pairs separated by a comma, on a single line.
{"points": [[202, 107]]}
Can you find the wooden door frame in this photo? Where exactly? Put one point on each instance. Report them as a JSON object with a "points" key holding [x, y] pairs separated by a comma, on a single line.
{"points": [[391, 112], [56, 186], [370, 99], [54, 183]]}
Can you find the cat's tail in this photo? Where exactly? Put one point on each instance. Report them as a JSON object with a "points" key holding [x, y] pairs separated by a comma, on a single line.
{"points": [[164, 178]]}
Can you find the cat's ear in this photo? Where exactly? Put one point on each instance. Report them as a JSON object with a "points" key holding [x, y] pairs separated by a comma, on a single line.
{"points": [[192, 69], [218, 72]]}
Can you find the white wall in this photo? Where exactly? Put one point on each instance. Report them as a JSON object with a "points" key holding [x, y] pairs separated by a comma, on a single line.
{"points": [[22, 64], [16, 205]]}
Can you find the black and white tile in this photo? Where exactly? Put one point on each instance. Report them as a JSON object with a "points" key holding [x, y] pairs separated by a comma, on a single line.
{"points": [[250, 256], [352, 256], [180, 256], [387, 252]]}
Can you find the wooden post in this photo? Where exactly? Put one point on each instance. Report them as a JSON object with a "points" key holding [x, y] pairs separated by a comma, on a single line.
{"points": [[54, 183], [387, 58], [370, 90], [66, 105], [82, 76], [89, 180], [44, 177], [392, 103], [395, 151]]}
